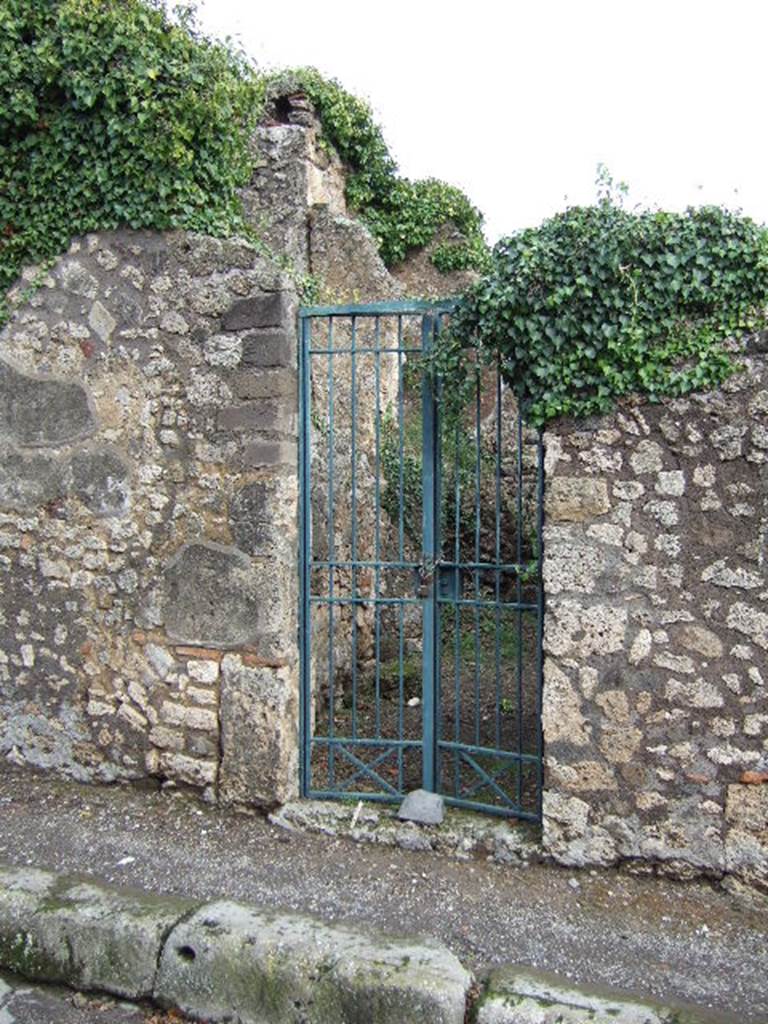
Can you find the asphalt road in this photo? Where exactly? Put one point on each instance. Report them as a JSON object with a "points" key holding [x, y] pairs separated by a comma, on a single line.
{"points": [[668, 940]]}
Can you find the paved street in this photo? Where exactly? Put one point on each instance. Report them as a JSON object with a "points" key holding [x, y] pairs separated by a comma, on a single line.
{"points": [[22, 1003], [685, 942]]}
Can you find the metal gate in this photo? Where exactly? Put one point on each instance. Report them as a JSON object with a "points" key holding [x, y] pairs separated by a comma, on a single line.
{"points": [[421, 596]]}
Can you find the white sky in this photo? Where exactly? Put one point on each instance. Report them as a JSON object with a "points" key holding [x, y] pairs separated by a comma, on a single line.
{"points": [[517, 102]]}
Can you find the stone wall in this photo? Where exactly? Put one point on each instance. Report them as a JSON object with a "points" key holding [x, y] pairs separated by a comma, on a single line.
{"points": [[148, 523], [148, 542], [148, 487], [656, 641], [296, 200]]}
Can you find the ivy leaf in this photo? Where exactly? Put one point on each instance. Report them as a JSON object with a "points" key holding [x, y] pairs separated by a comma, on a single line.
{"points": [[644, 302]]}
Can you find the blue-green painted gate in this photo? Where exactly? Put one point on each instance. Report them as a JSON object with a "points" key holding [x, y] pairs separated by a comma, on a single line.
{"points": [[421, 597]]}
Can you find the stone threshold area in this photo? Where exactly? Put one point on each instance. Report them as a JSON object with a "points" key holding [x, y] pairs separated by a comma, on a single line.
{"points": [[462, 834], [228, 961], [465, 835]]}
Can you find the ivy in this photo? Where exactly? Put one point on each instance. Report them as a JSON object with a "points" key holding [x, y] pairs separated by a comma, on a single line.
{"points": [[600, 302], [115, 113], [111, 114], [401, 214]]}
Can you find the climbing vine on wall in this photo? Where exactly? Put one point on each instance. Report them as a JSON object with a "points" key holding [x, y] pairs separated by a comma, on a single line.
{"points": [[111, 114], [600, 301], [114, 113], [401, 214]]}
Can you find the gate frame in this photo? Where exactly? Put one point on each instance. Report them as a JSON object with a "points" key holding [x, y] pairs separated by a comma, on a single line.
{"points": [[430, 311]]}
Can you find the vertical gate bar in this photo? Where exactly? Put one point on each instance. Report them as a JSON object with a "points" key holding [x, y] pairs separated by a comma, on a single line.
{"points": [[353, 604], [377, 527], [400, 545], [401, 440], [438, 545], [305, 623], [476, 571], [331, 558], [428, 559], [539, 620], [401, 697], [518, 612], [497, 554], [457, 576]]}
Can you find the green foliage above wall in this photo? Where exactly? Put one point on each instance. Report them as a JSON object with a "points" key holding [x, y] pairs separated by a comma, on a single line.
{"points": [[401, 214], [113, 114], [599, 302]]}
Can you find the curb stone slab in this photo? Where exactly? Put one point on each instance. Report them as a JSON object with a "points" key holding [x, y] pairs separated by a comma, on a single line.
{"points": [[225, 961], [221, 961], [517, 995], [81, 934], [231, 962]]}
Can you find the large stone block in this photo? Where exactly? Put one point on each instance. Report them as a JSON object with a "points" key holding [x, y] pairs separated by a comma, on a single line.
{"points": [[570, 835], [269, 348], [277, 383], [211, 597], [260, 415], [746, 840], [267, 454], [251, 514], [575, 631], [573, 566], [259, 736], [562, 718], [30, 481], [35, 411], [82, 934], [521, 995], [575, 499], [229, 961], [100, 481], [268, 310], [751, 621], [701, 640]]}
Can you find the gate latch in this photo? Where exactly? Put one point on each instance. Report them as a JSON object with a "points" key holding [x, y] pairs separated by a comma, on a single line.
{"points": [[425, 574]]}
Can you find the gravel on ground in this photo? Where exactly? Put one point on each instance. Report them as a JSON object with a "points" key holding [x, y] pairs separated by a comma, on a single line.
{"points": [[669, 940]]}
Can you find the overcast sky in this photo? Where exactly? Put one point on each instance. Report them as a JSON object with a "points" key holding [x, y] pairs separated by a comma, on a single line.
{"points": [[518, 102]]}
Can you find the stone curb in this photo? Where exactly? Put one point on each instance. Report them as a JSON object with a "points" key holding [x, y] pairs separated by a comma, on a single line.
{"points": [[75, 932], [221, 960], [520, 995], [225, 961]]}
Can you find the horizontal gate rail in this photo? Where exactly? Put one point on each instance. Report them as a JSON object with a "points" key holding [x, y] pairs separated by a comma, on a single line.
{"points": [[397, 308], [326, 741], [520, 606]]}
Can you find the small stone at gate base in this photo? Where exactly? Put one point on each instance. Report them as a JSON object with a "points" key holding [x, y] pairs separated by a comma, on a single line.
{"points": [[422, 807]]}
